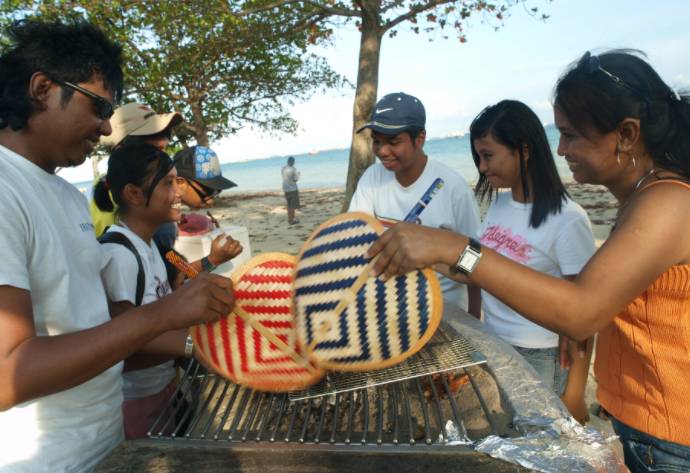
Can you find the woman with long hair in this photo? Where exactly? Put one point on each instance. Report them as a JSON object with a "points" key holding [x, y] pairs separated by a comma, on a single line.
{"points": [[624, 128], [532, 221]]}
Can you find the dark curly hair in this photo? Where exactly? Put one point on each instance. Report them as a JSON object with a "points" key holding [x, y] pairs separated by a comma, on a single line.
{"points": [[72, 51]]}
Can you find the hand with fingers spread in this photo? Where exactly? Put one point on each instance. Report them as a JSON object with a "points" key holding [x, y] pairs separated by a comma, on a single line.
{"points": [[207, 298], [407, 246], [224, 248]]}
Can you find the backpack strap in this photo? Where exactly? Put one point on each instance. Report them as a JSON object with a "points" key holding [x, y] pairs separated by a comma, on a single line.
{"points": [[120, 239]]}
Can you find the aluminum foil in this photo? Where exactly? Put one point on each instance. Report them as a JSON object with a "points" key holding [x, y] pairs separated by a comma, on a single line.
{"points": [[552, 440]]}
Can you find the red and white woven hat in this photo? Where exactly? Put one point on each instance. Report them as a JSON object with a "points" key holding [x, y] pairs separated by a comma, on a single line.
{"points": [[256, 344]]}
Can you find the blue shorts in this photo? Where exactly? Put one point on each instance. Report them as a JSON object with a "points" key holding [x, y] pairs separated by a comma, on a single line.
{"points": [[644, 453], [547, 364]]}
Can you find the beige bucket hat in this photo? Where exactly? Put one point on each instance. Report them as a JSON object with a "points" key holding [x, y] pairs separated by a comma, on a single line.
{"points": [[136, 119]]}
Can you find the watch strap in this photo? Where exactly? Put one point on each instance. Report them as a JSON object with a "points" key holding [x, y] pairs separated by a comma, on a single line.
{"points": [[206, 265]]}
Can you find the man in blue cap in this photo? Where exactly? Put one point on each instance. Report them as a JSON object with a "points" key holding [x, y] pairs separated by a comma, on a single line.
{"points": [[406, 185]]}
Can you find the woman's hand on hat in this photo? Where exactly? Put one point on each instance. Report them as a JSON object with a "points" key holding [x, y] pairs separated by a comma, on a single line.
{"points": [[224, 248], [406, 247]]}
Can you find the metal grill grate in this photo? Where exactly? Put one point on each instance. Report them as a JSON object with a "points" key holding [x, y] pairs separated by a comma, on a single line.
{"points": [[439, 355], [419, 411]]}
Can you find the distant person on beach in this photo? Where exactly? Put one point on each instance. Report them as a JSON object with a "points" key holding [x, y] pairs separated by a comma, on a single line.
{"points": [[624, 128], [535, 223], [143, 182], [60, 353], [290, 177], [406, 184], [133, 123]]}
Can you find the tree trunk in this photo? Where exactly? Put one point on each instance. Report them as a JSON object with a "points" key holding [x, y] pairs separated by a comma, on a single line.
{"points": [[199, 126], [361, 156]]}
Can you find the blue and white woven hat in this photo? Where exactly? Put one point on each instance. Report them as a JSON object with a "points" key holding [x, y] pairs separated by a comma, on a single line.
{"points": [[349, 321]]}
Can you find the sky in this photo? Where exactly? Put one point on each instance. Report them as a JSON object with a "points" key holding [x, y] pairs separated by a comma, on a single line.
{"points": [[455, 81]]}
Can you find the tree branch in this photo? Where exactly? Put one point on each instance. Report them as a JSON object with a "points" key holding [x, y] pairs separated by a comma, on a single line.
{"points": [[329, 9], [414, 11], [263, 8], [332, 10]]}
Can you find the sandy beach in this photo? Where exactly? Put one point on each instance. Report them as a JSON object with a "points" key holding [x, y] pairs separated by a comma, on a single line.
{"points": [[265, 216]]}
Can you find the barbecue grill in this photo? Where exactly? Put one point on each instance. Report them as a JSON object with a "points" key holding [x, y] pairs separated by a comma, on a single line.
{"points": [[419, 410], [416, 423]]}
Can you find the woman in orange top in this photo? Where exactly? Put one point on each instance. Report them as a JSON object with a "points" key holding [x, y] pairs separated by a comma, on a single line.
{"points": [[624, 128]]}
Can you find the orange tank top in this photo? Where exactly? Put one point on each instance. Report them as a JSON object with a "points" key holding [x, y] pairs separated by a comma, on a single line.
{"points": [[643, 358]]}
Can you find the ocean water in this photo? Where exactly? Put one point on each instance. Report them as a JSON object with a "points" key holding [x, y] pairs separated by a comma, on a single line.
{"points": [[328, 168]]}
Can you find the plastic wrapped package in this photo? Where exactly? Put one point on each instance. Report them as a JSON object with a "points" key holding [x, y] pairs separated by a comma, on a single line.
{"points": [[552, 441]]}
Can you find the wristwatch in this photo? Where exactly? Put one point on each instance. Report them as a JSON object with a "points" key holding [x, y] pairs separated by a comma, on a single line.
{"points": [[189, 347], [469, 258], [206, 265]]}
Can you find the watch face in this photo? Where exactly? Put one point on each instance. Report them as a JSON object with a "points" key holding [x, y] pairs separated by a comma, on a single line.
{"points": [[468, 261]]}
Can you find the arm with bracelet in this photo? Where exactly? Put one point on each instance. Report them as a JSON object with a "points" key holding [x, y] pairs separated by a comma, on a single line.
{"points": [[223, 249]]}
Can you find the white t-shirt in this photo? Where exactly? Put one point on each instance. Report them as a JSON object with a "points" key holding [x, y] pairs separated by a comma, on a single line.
{"points": [[453, 207], [560, 246], [120, 280], [47, 247], [290, 178]]}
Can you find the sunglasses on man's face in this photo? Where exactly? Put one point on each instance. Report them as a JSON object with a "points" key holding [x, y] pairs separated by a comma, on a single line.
{"points": [[104, 109], [204, 193]]}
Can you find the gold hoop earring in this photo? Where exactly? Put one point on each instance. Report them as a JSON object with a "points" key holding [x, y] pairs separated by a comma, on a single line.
{"points": [[618, 157], [633, 160]]}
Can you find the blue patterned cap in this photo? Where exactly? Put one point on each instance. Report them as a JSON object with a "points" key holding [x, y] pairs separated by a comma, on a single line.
{"points": [[202, 165]]}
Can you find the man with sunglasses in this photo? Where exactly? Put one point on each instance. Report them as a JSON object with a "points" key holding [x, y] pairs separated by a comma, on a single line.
{"points": [[200, 180], [60, 352], [199, 176]]}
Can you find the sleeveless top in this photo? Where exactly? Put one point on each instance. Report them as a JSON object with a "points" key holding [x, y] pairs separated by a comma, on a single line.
{"points": [[643, 358]]}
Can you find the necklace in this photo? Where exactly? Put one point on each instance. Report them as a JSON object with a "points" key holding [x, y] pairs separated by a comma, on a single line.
{"points": [[639, 183], [635, 188]]}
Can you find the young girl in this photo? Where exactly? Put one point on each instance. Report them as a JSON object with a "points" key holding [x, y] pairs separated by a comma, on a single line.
{"points": [[132, 124], [143, 182], [532, 222], [624, 128]]}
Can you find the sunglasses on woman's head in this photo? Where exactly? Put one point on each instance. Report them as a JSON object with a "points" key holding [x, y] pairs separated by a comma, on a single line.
{"points": [[104, 109], [593, 64]]}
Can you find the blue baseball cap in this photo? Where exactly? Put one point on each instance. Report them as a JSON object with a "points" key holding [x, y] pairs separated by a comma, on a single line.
{"points": [[201, 164], [396, 113]]}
